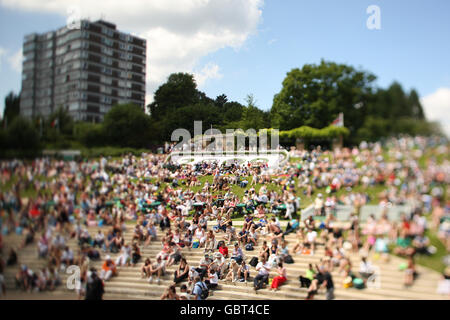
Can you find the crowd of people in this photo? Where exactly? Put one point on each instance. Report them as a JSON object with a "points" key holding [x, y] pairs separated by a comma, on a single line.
{"points": [[194, 206]]}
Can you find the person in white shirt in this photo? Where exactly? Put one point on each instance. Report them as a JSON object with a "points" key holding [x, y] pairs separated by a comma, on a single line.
{"points": [[318, 205], [311, 240], [184, 295], [124, 258], [99, 240], [158, 268], [67, 257], [262, 277], [213, 279], [365, 268]]}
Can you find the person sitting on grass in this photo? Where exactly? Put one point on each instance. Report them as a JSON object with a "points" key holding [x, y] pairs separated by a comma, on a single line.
{"points": [[404, 245], [292, 226]]}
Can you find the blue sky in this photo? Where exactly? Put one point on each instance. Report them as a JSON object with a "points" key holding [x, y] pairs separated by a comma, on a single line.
{"points": [[267, 40]]}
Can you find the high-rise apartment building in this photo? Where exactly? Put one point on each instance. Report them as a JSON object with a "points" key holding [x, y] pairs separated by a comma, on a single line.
{"points": [[85, 70]]}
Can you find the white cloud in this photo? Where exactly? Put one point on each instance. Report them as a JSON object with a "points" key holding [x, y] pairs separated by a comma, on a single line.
{"points": [[271, 41], [2, 53], [209, 71], [437, 107], [15, 60], [178, 32]]}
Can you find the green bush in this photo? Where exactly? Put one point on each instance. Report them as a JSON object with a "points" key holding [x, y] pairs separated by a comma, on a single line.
{"points": [[308, 133], [20, 139], [90, 134], [110, 152], [127, 125]]}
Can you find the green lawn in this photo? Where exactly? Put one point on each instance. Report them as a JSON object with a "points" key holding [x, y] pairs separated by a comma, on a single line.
{"points": [[434, 261]]}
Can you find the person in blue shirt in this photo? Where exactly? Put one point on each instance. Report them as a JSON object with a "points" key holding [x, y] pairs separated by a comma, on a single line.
{"points": [[292, 226], [198, 287]]}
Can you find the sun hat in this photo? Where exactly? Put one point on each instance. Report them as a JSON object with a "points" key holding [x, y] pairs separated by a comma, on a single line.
{"points": [[347, 245]]}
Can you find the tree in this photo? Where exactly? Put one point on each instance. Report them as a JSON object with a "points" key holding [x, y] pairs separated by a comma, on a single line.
{"points": [[127, 125], [23, 137], [221, 100], [90, 134], [12, 107], [252, 116], [415, 105], [61, 121], [180, 90], [316, 94], [231, 112]]}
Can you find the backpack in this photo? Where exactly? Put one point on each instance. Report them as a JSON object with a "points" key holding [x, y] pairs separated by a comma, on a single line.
{"points": [[205, 291], [249, 246], [288, 259], [358, 283], [253, 262]]}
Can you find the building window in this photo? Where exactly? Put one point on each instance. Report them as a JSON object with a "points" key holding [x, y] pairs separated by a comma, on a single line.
{"points": [[107, 51], [105, 99], [107, 71], [107, 41]]}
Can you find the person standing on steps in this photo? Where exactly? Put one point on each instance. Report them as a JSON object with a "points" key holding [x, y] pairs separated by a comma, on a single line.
{"points": [[327, 283], [94, 287]]}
